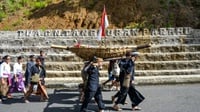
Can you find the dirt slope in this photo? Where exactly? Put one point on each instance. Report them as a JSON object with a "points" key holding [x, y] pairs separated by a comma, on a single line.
{"points": [[121, 13]]}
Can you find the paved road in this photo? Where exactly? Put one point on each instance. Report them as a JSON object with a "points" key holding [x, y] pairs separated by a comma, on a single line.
{"points": [[162, 98]]}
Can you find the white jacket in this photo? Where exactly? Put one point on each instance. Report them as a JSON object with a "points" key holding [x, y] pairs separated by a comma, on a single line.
{"points": [[4, 70]]}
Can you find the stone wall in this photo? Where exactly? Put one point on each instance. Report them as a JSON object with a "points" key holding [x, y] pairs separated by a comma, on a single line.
{"points": [[16, 42]]}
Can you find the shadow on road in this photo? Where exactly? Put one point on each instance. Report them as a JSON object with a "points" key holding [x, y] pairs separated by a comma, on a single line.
{"points": [[67, 100]]}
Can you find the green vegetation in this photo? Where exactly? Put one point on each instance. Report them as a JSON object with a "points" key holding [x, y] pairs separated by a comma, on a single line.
{"points": [[26, 12], [137, 25], [18, 22], [40, 4], [6, 28], [12, 6], [2, 15], [16, 14]]}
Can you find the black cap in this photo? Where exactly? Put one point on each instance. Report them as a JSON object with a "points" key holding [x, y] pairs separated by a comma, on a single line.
{"points": [[128, 54], [32, 56]]}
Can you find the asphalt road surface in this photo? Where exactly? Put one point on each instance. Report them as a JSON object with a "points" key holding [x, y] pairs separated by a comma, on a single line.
{"points": [[159, 98]]}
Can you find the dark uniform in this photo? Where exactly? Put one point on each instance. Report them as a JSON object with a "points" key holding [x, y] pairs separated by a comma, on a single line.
{"points": [[126, 68], [93, 89], [28, 72], [42, 60], [135, 96]]}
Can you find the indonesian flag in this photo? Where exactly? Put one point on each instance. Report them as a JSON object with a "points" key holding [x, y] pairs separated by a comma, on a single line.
{"points": [[104, 25]]}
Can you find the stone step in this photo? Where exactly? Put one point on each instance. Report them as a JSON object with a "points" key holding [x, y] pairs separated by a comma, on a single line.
{"points": [[73, 82], [159, 56], [174, 40], [155, 48], [138, 73], [169, 56], [26, 50], [172, 48], [49, 57], [140, 65]]}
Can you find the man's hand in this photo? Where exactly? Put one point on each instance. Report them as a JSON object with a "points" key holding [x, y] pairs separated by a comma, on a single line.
{"points": [[2, 81]]}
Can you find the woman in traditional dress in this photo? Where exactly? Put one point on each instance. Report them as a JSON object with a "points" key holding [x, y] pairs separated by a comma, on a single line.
{"points": [[17, 81], [38, 85], [5, 77]]}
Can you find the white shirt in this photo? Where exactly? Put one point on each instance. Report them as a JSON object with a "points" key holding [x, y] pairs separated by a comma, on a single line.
{"points": [[4, 70], [17, 68]]}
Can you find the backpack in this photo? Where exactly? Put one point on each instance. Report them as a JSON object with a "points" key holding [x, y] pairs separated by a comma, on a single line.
{"points": [[116, 69]]}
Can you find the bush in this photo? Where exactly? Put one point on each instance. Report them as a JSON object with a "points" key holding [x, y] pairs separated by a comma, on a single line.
{"points": [[2, 15], [39, 5]]}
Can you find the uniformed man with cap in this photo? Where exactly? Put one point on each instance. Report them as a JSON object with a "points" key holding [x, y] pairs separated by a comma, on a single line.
{"points": [[127, 74], [93, 88]]}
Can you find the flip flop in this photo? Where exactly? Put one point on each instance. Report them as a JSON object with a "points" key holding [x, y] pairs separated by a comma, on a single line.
{"points": [[117, 108], [136, 108]]}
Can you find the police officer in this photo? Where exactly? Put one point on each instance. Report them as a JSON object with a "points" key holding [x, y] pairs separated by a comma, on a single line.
{"points": [[93, 88]]}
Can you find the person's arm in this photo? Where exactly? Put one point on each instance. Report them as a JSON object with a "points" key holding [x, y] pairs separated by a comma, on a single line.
{"points": [[129, 67], [87, 67], [1, 73], [43, 75], [1, 70]]}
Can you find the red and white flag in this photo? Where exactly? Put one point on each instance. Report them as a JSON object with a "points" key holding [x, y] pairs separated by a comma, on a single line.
{"points": [[104, 25]]}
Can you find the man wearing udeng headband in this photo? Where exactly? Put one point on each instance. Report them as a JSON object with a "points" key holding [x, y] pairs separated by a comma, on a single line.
{"points": [[93, 88]]}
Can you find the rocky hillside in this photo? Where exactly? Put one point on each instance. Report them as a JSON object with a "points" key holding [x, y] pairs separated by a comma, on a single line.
{"points": [[64, 14]]}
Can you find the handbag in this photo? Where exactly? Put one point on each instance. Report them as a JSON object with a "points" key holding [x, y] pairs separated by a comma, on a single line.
{"points": [[116, 70], [36, 77], [126, 81]]}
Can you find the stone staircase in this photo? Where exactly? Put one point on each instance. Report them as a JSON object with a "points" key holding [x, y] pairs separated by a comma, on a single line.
{"points": [[171, 59]]}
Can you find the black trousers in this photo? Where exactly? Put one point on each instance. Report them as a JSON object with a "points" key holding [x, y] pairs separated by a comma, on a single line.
{"points": [[121, 95], [135, 96], [88, 97]]}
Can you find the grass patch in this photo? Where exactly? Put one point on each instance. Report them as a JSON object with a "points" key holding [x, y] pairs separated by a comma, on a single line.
{"points": [[2, 15], [7, 28], [40, 4], [27, 12], [18, 22]]}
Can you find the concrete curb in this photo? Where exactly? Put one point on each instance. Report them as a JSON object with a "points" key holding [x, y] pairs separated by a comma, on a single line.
{"points": [[73, 82]]}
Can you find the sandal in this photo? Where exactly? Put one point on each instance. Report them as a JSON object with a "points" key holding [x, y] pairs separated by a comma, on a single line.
{"points": [[26, 101], [136, 108], [117, 108]]}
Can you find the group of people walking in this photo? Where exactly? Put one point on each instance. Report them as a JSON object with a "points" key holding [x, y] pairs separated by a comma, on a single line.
{"points": [[125, 78], [12, 80], [120, 69]]}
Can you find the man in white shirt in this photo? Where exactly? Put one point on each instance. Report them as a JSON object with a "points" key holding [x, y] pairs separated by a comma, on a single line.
{"points": [[5, 77]]}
